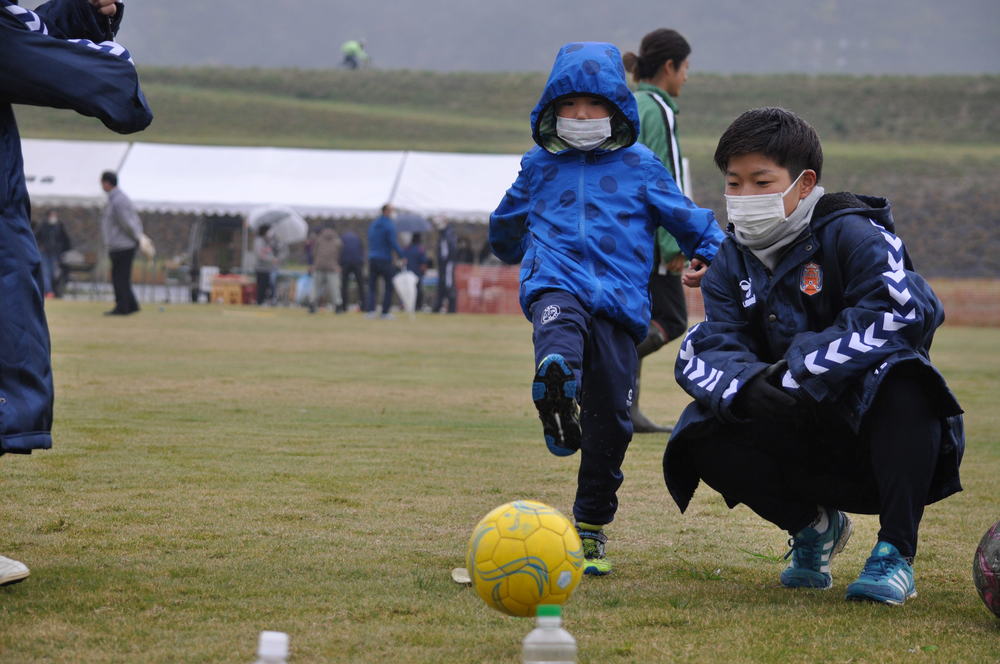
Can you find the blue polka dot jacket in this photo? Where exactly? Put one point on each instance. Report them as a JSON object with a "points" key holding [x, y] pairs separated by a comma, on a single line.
{"points": [[585, 222]]}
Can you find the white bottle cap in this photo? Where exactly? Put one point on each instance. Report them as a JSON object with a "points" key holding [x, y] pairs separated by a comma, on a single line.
{"points": [[273, 645]]}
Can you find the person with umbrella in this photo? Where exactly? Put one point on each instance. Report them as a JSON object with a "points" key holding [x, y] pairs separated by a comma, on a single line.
{"points": [[382, 244]]}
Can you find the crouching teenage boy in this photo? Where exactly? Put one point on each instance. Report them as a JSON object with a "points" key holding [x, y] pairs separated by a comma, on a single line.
{"points": [[814, 391], [581, 220]]}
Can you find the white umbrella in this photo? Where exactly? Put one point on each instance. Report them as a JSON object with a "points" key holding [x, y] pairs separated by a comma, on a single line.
{"points": [[405, 283], [286, 224]]}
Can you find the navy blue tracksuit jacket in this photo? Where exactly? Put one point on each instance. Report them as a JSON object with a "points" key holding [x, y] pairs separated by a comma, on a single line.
{"points": [[843, 307], [61, 56]]}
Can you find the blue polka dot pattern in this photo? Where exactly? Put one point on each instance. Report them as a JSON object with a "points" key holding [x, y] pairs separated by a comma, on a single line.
{"points": [[609, 184], [573, 48], [622, 92], [607, 244], [539, 206], [643, 192], [591, 211], [690, 204], [662, 184], [631, 159], [567, 198], [624, 218], [600, 269], [591, 67], [554, 232], [550, 172]]}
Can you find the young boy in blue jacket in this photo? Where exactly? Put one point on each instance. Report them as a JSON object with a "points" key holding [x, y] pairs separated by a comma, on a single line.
{"points": [[581, 220], [60, 56], [814, 390]]}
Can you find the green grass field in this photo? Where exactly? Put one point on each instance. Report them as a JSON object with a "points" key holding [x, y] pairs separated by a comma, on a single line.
{"points": [[218, 471]]}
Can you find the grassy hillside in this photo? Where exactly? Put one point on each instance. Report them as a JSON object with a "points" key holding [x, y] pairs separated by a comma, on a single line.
{"points": [[930, 144]]}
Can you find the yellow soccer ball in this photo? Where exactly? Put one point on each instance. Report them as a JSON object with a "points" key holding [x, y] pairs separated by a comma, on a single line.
{"points": [[523, 554]]}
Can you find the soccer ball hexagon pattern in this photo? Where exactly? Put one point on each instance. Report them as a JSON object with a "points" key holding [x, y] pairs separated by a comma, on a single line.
{"points": [[523, 554]]}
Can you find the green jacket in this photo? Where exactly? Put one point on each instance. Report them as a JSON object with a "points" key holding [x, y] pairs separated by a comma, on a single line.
{"points": [[654, 134]]}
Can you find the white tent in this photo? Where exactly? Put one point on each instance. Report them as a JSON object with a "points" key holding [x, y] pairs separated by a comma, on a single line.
{"points": [[458, 186], [234, 180], [69, 172]]}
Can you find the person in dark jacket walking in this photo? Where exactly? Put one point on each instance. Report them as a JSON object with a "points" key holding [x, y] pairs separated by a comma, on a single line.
{"points": [[96, 80], [580, 219], [446, 298], [121, 229], [814, 390], [53, 242], [352, 262], [417, 262], [382, 244]]}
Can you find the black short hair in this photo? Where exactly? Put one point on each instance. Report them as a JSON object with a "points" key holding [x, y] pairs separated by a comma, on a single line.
{"points": [[110, 177], [775, 133]]}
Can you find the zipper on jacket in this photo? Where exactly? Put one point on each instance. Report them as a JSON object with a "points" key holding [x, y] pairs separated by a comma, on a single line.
{"points": [[598, 286]]}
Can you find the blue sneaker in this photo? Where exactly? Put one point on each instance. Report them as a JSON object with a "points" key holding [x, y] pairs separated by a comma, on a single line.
{"points": [[554, 391], [812, 552], [887, 577]]}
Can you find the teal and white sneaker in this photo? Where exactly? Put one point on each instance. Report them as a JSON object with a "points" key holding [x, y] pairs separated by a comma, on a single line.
{"points": [[887, 577], [595, 562], [554, 391], [812, 550]]}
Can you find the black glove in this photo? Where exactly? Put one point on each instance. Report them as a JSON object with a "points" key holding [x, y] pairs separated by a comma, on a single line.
{"points": [[763, 398]]}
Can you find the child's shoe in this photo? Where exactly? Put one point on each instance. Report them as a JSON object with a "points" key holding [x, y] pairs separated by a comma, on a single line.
{"points": [[554, 391], [812, 551], [12, 571], [887, 577], [594, 539]]}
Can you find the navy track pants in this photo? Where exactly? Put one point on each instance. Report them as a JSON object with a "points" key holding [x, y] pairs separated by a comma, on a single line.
{"points": [[602, 355]]}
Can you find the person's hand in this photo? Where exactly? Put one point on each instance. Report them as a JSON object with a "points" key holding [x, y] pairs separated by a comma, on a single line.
{"points": [[676, 264], [762, 398], [692, 276], [106, 7]]}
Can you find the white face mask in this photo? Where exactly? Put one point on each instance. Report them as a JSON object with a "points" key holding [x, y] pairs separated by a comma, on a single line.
{"points": [[757, 216], [583, 134]]}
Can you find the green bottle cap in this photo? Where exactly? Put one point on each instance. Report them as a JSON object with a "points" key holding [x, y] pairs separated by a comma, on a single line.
{"points": [[548, 610]]}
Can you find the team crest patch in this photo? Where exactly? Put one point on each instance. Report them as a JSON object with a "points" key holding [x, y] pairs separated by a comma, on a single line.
{"points": [[812, 279], [550, 313]]}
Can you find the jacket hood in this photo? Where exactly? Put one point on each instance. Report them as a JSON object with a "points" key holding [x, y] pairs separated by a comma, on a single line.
{"points": [[587, 68], [833, 206]]}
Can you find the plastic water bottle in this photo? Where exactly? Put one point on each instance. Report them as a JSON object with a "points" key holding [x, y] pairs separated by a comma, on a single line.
{"points": [[549, 643], [272, 648]]}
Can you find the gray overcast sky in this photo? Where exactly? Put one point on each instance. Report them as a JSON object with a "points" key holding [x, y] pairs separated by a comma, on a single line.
{"points": [[835, 36]]}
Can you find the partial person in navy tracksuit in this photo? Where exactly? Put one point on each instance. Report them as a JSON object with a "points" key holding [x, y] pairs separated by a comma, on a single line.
{"points": [[59, 55], [581, 219], [814, 390]]}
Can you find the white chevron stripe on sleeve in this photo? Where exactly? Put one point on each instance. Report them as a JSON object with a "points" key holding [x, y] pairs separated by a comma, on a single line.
{"points": [[871, 339], [731, 390], [810, 362], [900, 296], [713, 375], [699, 370], [833, 353], [856, 343], [890, 324]]}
